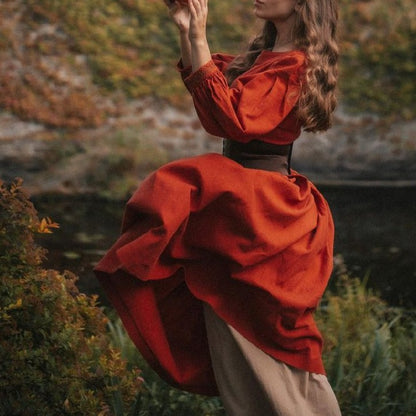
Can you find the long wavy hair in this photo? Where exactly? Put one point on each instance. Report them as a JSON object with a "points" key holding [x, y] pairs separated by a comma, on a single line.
{"points": [[315, 33]]}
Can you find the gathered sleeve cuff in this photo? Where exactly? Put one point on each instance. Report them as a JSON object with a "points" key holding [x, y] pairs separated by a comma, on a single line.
{"points": [[185, 71], [198, 77], [219, 61]]}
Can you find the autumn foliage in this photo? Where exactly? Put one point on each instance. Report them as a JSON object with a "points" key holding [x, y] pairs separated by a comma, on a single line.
{"points": [[55, 354], [61, 62], [378, 57]]}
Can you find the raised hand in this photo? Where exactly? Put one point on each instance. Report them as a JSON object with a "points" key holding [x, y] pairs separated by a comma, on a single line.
{"points": [[179, 13], [190, 16], [200, 53], [198, 12]]}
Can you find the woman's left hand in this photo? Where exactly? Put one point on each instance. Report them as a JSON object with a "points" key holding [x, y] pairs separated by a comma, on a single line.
{"points": [[198, 23]]}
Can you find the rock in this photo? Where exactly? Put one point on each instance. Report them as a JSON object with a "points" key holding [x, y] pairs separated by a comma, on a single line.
{"points": [[359, 148], [363, 149]]}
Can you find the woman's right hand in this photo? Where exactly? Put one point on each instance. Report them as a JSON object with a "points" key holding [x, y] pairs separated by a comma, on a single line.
{"points": [[179, 12]]}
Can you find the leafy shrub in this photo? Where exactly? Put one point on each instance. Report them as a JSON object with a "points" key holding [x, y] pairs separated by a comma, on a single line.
{"points": [[55, 356], [40, 77], [370, 351]]}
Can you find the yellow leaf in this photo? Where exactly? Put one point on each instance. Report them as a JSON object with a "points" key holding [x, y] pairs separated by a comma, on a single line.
{"points": [[45, 226]]}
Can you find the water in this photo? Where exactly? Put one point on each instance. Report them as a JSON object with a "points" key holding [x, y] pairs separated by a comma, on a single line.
{"points": [[375, 234]]}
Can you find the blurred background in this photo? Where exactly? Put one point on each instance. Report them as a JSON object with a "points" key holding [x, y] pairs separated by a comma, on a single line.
{"points": [[90, 103]]}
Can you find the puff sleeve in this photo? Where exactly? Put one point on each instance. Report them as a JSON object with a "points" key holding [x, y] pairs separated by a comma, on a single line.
{"points": [[257, 103]]}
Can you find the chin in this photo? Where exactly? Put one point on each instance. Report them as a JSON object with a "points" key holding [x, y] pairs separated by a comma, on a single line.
{"points": [[258, 13]]}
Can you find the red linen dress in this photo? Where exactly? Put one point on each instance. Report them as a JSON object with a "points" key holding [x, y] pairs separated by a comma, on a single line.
{"points": [[255, 245]]}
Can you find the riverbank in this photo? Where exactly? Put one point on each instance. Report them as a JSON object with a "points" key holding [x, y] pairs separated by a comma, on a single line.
{"points": [[111, 159]]}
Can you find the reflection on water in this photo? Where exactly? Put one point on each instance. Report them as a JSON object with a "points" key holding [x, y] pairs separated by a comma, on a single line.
{"points": [[375, 233]]}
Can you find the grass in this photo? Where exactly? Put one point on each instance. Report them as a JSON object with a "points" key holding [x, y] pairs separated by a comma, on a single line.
{"points": [[370, 357]]}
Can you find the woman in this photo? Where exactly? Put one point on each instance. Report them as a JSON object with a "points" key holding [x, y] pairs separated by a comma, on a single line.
{"points": [[223, 258]]}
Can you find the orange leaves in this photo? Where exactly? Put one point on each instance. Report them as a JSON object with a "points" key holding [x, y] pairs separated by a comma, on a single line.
{"points": [[37, 97], [59, 59], [42, 76], [55, 349], [45, 226]]}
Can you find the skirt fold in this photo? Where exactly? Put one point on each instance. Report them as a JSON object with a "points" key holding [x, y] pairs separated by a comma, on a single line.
{"points": [[255, 245]]}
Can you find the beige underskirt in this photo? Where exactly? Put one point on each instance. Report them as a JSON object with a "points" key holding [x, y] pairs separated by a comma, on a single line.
{"points": [[252, 383]]}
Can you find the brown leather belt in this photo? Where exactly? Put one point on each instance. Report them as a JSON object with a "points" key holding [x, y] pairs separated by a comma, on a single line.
{"points": [[259, 155]]}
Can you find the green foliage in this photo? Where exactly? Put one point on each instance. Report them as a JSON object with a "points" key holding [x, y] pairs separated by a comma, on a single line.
{"points": [[378, 56], [131, 153], [370, 351], [370, 357], [131, 44], [131, 47], [55, 355], [157, 398], [40, 77]]}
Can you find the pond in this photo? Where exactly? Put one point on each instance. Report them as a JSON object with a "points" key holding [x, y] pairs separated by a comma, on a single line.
{"points": [[375, 234]]}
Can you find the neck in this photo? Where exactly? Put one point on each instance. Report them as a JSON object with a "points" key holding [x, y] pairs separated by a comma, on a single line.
{"points": [[284, 40]]}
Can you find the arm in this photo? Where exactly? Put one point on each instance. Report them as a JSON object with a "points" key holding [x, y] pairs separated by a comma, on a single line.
{"points": [[190, 20], [200, 53], [180, 15], [255, 106], [185, 49]]}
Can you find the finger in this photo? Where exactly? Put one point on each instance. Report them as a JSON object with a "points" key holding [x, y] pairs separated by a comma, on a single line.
{"points": [[193, 8], [201, 6], [197, 5], [191, 5]]}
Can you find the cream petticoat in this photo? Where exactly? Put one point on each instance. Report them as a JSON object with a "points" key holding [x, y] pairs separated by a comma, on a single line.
{"points": [[252, 383]]}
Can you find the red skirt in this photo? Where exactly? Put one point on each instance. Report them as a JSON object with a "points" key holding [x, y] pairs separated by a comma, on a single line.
{"points": [[255, 245]]}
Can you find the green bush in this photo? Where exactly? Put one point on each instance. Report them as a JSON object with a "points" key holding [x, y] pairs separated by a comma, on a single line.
{"points": [[370, 351], [55, 355]]}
